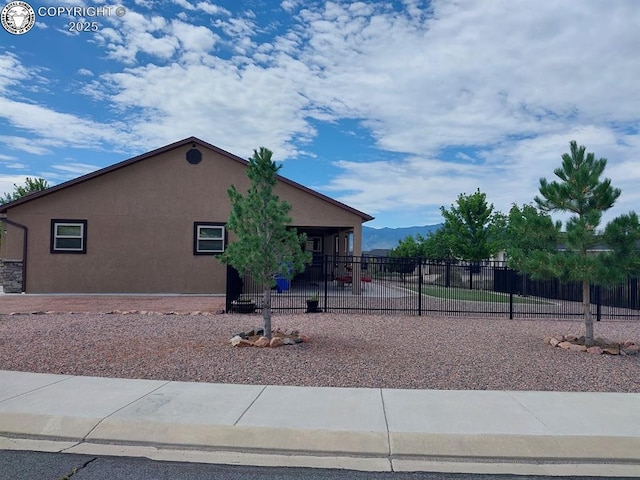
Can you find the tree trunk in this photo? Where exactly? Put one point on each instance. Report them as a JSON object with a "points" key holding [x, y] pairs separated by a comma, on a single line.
{"points": [[586, 308], [266, 312]]}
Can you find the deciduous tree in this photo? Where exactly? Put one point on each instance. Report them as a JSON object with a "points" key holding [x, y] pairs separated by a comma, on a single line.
{"points": [[437, 247], [471, 229], [30, 185], [409, 247]]}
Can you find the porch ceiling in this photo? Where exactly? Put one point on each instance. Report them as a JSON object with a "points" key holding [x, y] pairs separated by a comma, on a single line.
{"points": [[323, 230]]}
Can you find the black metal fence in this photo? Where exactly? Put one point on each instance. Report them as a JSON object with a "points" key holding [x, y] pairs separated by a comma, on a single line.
{"points": [[422, 287]]}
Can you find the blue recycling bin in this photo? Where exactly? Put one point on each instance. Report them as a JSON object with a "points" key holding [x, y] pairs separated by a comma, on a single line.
{"points": [[282, 284]]}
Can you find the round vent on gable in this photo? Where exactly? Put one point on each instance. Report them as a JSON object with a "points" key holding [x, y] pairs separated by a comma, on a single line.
{"points": [[194, 156]]}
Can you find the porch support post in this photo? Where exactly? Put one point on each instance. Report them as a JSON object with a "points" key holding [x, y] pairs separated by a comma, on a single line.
{"points": [[338, 266], [357, 240], [342, 243], [357, 257]]}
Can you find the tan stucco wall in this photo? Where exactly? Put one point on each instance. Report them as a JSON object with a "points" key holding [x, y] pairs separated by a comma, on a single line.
{"points": [[140, 226], [11, 246]]}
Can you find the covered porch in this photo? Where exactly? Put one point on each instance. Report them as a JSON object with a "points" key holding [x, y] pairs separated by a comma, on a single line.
{"points": [[340, 245]]}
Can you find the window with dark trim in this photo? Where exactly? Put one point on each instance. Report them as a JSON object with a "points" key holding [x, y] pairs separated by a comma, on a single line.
{"points": [[68, 236], [208, 238]]}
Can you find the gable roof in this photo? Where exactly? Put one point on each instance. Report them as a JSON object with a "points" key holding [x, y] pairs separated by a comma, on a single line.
{"points": [[103, 171]]}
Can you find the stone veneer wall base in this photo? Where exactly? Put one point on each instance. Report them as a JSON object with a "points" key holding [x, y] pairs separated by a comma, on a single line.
{"points": [[11, 275]]}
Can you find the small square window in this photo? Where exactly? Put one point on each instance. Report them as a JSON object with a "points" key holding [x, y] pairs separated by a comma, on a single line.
{"points": [[208, 238], [68, 236]]}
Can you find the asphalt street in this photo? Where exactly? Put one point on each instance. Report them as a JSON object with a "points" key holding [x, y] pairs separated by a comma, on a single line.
{"points": [[26, 465]]}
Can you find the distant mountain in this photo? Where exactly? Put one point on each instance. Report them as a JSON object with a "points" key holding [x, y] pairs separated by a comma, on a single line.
{"points": [[374, 238]]}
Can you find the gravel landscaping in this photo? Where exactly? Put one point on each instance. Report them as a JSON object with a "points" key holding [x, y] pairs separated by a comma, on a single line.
{"points": [[344, 351]]}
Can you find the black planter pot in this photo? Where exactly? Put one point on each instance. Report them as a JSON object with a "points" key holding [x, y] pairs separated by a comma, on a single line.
{"points": [[244, 306], [312, 306]]}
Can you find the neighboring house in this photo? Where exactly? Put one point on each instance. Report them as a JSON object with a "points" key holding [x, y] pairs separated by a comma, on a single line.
{"points": [[151, 224], [377, 252]]}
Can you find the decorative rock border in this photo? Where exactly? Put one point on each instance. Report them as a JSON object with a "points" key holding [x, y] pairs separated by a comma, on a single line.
{"points": [[256, 338], [601, 345]]}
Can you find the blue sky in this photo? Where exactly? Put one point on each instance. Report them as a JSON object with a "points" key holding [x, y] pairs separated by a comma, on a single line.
{"points": [[391, 107]]}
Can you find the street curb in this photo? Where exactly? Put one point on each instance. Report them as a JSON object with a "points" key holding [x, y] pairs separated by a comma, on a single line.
{"points": [[495, 466], [573, 448], [236, 437]]}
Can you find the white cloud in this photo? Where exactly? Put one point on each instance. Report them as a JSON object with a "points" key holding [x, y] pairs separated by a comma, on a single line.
{"points": [[144, 3], [54, 129], [184, 4], [193, 39], [36, 146], [236, 27], [289, 5], [11, 70], [139, 35], [212, 102], [212, 9], [85, 72], [465, 157], [206, 7], [76, 169], [61, 172], [16, 165]]}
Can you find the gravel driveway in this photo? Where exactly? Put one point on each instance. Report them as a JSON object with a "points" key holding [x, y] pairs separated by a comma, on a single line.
{"points": [[345, 351]]}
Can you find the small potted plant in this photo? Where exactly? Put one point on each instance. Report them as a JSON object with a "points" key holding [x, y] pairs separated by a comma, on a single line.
{"points": [[244, 304], [312, 303]]}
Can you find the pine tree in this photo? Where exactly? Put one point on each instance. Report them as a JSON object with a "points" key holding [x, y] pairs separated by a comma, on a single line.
{"points": [[265, 246], [531, 240], [581, 192]]}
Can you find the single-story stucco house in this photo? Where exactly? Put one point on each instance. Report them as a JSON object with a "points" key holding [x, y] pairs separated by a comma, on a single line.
{"points": [[151, 224]]}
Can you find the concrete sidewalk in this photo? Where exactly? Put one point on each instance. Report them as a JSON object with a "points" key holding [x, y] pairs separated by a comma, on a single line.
{"points": [[522, 432]]}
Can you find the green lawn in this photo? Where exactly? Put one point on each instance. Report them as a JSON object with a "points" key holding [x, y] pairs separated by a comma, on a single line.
{"points": [[474, 295]]}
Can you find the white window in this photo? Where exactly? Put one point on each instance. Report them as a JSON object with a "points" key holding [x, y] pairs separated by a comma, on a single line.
{"points": [[208, 239], [68, 236]]}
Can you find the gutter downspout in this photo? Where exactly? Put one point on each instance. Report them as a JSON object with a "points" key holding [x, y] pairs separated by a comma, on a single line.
{"points": [[24, 249]]}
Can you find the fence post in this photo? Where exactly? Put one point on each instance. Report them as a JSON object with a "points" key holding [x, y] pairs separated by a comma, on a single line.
{"points": [[598, 304], [326, 282], [420, 287], [512, 280], [447, 274], [632, 288]]}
